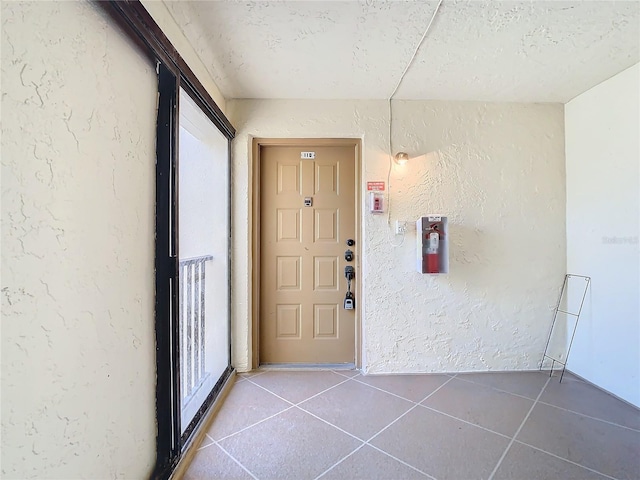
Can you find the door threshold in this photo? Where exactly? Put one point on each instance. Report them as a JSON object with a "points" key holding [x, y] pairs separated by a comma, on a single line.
{"points": [[307, 366]]}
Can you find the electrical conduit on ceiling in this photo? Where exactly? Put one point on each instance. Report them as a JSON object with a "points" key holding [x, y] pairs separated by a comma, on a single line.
{"points": [[395, 90]]}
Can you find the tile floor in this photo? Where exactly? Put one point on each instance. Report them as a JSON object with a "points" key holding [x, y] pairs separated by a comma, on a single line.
{"points": [[343, 425]]}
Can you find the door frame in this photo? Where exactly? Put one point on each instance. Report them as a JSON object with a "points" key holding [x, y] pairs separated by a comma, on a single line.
{"points": [[254, 234]]}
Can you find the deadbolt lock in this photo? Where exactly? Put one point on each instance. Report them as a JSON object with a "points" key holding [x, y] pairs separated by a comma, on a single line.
{"points": [[348, 256]]}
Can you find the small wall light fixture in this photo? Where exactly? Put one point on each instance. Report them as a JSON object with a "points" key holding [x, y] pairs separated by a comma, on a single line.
{"points": [[401, 158]]}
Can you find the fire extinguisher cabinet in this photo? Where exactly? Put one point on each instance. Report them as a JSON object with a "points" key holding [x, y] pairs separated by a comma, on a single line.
{"points": [[433, 244]]}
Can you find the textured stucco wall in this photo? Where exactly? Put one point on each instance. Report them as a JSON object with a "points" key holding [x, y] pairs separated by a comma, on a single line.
{"points": [[603, 225], [497, 172], [161, 15], [78, 150]]}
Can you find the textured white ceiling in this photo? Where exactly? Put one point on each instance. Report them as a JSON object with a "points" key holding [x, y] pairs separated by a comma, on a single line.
{"points": [[522, 51]]}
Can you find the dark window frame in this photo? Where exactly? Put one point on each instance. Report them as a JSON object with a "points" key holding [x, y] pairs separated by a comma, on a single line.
{"points": [[173, 74]]}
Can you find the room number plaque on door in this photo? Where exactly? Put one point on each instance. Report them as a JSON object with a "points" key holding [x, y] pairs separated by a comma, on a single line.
{"points": [[307, 155], [308, 201]]}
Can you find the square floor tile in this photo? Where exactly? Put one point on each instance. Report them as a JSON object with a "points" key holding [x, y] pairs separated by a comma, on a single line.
{"points": [[212, 463], [272, 438], [411, 387], [527, 384], [245, 405], [441, 446], [584, 398], [297, 386], [598, 445], [480, 405], [291, 445], [356, 408], [526, 463], [371, 464]]}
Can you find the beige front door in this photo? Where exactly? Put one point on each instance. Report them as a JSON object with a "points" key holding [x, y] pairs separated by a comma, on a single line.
{"points": [[307, 215]]}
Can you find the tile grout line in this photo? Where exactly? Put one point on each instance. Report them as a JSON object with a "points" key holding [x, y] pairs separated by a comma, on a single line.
{"points": [[513, 439], [346, 379], [258, 372], [452, 376], [254, 424], [354, 378], [337, 372], [385, 391], [566, 460], [236, 460], [464, 421], [366, 442], [274, 394], [549, 404], [589, 416], [325, 390], [415, 404], [202, 447], [339, 461], [328, 423], [402, 462], [495, 388], [291, 405]]}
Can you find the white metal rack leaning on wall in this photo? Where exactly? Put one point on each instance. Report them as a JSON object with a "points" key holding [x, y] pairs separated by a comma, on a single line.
{"points": [[557, 328]]}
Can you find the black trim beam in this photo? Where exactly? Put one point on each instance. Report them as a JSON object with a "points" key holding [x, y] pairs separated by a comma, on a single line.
{"points": [[167, 437], [144, 27]]}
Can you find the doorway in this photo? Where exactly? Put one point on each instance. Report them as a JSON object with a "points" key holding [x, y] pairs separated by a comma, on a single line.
{"points": [[193, 173], [306, 223]]}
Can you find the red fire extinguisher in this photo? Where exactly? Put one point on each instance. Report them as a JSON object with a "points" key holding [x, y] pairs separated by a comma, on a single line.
{"points": [[432, 243]]}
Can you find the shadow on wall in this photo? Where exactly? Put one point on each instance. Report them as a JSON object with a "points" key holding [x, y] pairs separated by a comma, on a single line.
{"points": [[482, 258], [469, 254]]}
